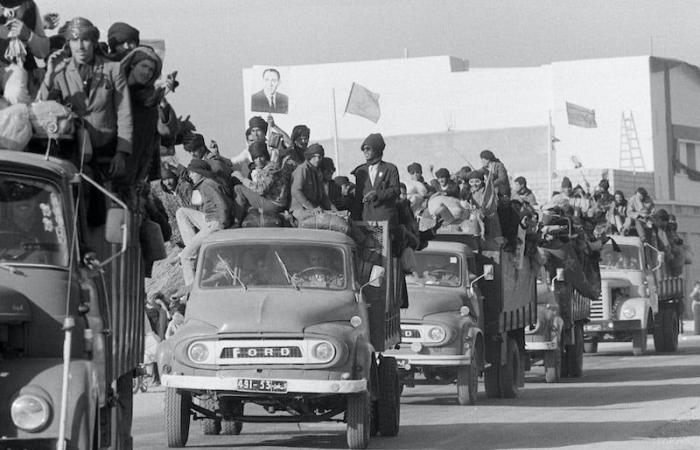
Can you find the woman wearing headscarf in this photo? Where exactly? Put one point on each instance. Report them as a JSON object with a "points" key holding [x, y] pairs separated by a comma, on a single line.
{"points": [[152, 114], [97, 92]]}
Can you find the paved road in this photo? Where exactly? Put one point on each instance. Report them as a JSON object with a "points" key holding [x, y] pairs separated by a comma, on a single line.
{"points": [[621, 402]]}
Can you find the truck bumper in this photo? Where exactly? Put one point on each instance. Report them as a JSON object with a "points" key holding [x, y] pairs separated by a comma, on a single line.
{"points": [[535, 346], [29, 444], [611, 326], [431, 360], [230, 384]]}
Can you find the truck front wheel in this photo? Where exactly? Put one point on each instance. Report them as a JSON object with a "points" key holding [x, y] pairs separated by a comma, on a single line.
{"points": [[177, 417], [357, 417], [467, 384], [575, 352]]}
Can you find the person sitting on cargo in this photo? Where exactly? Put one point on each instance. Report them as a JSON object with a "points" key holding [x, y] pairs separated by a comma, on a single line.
{"points": [[618, 212], [334, 191], [196, 225], [581, 201], [300, 141], [443, 183], [307, 191], [640, 210], [268, 186], [221, 167], [416, 188], [522, 193]]}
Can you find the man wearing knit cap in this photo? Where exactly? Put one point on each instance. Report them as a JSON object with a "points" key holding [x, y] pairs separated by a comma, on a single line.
{"points": [[268, 186], [122, 38], [444, 184], [307, 192], [377, 184], [215, 214], [221, 166], [97, 91]]}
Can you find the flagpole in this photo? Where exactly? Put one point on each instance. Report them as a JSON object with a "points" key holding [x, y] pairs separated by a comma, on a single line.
{"points": [[335, 133], [550, 149]]}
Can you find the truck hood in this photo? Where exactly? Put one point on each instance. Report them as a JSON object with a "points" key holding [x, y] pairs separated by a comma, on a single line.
{"points": [[424, 301], [271, 311]]}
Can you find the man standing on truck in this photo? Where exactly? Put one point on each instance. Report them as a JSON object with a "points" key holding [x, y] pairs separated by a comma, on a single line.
{"points": [[377, 184]]}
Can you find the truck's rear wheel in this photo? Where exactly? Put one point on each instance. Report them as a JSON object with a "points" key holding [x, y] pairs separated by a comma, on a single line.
{"points": [[666, 330], [591, 346], [231, 427], [510, 373], [357, 417], [389, 401], [575, 353], [467, 384], [177, 417], [210, 426], [552, 365]]}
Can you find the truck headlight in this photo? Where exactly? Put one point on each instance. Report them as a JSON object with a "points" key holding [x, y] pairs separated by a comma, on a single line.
{"points": [[198, 352], [628, 312], [436, 334], [323, 351], [30, 412]]}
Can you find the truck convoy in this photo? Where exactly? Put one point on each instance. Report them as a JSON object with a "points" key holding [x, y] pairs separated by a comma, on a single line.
{"points": [[71, 327], [296, 322], [641, 294]]}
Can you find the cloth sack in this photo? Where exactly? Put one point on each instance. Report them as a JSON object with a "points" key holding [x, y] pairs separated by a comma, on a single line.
{"points": [[51, 119], [445, 207], [15, 127], [325, 220], [15, 81]]}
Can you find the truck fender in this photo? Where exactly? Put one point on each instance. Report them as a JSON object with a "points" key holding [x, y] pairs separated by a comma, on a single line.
{"points": [[641, 306]]}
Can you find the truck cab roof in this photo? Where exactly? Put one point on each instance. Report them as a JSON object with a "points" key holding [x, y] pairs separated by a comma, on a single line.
{"points": [[449, 247], [280, 235], [55, 167]]}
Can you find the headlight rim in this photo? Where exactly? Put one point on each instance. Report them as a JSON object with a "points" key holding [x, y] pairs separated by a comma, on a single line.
{"points": [[205, 346], [43, 402], [314, 352], [434, 340]]}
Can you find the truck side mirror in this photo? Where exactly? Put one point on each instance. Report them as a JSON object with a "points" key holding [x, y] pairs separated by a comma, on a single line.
{"points": [[375, 276], [114, 226]]}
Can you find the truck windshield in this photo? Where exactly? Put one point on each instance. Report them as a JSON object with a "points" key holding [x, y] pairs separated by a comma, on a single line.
{"points": [[274, 265], [626, 259], [436, 269], [32, 226]]}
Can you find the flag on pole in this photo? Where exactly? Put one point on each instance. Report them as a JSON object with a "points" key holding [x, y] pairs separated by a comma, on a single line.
{"points": [[580, 116], [363, 102]]}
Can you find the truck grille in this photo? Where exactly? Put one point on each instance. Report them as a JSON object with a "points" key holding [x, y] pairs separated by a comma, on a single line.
{"points": [[597, 308]]}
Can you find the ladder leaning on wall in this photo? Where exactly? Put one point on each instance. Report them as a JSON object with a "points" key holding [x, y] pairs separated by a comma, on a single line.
{"points": [[630, 151]]}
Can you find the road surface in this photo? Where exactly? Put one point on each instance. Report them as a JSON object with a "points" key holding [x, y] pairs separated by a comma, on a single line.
{"points": [[621, 402]]}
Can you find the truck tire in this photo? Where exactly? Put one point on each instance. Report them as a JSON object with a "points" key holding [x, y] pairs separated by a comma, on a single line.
{"points": [[510, 372], [467, 384], [124, 411], [552, 366], [389, 401], [639, 340], [666, 330], [210, 426], [590, 346], [357, 418], [177, 417], [231, 427], [491, 384], [575, 353]]}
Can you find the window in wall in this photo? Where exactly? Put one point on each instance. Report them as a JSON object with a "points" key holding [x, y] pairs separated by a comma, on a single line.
{"points": [[690, 155]]}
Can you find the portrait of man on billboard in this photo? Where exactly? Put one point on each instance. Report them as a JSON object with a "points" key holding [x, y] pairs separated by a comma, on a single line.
{"points": [[268, 99]]}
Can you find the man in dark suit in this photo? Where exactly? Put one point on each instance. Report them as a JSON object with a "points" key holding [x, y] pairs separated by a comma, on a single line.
{"points": [[268, 99], [377, 184]]}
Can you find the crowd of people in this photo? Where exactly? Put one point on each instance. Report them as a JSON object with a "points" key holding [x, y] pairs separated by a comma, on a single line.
{"points": [[127, 133]]}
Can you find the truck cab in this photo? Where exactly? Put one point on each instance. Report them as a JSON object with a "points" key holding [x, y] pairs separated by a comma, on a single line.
{"points": [[294, 321], [638, 298], [441, 337]]}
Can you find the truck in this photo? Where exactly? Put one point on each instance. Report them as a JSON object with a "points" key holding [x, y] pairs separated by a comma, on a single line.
{"points": [[442, 335], [293, 320], [71, 325], [639, 296], [567, 284]]}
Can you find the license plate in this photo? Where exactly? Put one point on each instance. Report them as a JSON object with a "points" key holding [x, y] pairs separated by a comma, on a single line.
{"points": [[593, 327], [251, 385]]}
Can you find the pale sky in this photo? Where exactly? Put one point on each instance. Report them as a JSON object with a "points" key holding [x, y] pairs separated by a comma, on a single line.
{"points": [[210, 41]]}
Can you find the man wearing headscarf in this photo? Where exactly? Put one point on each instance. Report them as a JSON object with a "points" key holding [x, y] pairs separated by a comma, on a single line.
{"points": [[498, 172], [215, 214], [153, 116], [97, 92], [174, 190], [300, 141], [221, 166], [122, 38], [307, 191]]}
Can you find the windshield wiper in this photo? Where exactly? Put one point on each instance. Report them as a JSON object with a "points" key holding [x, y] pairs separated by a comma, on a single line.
{"points": [[290, 280], [231, 272]]}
